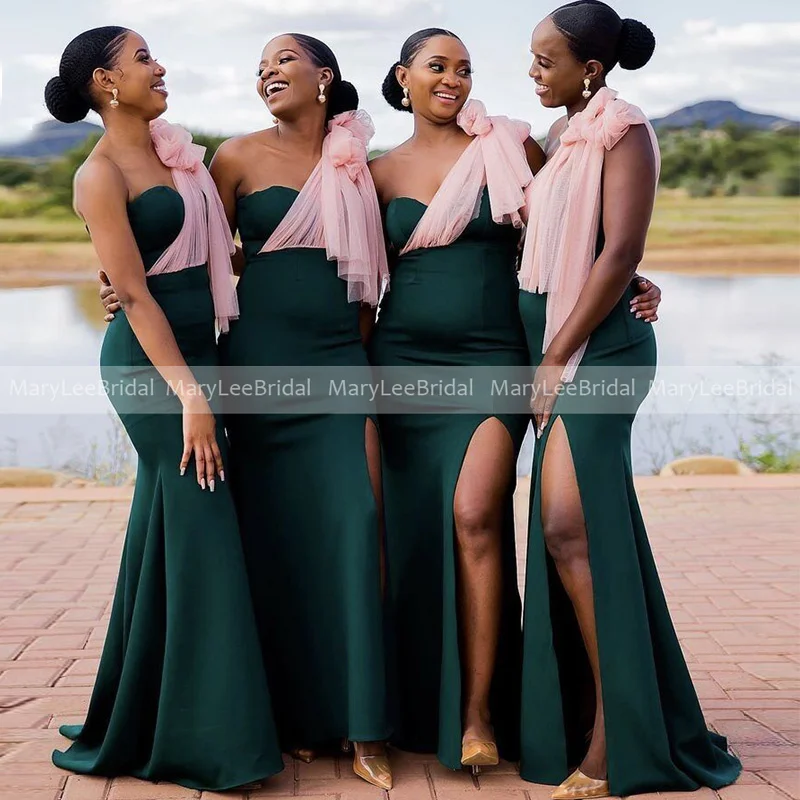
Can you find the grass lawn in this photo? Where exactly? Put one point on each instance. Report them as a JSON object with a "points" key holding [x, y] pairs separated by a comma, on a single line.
{"points": [[683, 223], [42, 229]]}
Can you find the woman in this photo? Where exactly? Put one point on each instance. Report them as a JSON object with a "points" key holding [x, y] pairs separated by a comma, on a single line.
{"points": [[600, 653], [302, 481], [181, 693], [307, 485], [452, 195]]}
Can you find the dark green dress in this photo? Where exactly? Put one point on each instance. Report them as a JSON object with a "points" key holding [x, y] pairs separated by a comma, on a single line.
{"points": [[448, 306], [181, 693], [656, 736], [306, 508]]}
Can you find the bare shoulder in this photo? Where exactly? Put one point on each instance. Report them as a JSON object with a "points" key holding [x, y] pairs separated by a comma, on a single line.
{"points": [[231, 150], [98, 178], [380, 165], [635, 138], [383, 169], [98, 171], [634, 149]]}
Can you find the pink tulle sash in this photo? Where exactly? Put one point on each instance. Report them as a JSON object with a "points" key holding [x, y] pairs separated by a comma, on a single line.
{"points": [[337, 209], [563, 205], [495, 159], [205, 237]]}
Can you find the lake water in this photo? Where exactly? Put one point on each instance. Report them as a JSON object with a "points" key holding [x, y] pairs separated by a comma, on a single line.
{"points": [[706, 322]]}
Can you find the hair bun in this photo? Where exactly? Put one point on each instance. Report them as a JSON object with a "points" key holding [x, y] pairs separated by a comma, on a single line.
{"points": [[343, 97], [392, 90], [636, 44], [64, 104], [347, 96]]}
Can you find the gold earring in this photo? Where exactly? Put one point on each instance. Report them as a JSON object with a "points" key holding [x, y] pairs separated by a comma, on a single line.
{"points": [[405, 102], [321, 96], [587, 92], [114, 102], [275, 120]]}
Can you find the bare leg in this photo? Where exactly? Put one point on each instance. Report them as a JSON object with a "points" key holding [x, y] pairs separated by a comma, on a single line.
{"points": [[486, 474], [567, 542]]}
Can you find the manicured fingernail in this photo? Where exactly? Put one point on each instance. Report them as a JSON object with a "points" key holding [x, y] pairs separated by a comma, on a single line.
{"points": [[203, 483], [633, 309], [183, 471], [639, 315], [222, 475], [211, 484]]}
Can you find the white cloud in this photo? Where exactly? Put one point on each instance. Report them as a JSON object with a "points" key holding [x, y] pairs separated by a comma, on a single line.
{"points": [[348, 15], [747, 36], [695, 27], [41, 62], [756, 64]]}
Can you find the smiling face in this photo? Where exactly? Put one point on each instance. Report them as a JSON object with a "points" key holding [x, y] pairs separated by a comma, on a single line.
{"points": [[439, 79], [288, 80], [559, 76], [138, 78]]}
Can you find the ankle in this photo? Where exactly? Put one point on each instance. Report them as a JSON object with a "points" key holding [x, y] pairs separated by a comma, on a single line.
{"points": [[595, 767], [478, 726]]}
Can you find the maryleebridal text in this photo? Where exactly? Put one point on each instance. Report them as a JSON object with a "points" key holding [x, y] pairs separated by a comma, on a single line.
{"points": [[372, 390], [156, 387]]}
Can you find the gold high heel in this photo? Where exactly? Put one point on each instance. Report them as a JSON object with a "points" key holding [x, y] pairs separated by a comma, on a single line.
{"points": [[581, 787], [375, 770], [477, 753], [304, 754]]}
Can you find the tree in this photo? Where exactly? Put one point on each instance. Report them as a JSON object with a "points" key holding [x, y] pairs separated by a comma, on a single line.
{"points": [[15, 173]]}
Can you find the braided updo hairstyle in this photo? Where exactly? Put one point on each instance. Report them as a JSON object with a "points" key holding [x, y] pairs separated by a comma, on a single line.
{"points": [[392, 90], [596, 32], [67, 96], [342, 95]]}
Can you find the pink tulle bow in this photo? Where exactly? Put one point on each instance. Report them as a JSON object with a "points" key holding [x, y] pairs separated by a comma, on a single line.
{"points": [[174, 146], [347, 140], [205, 237], [337, 209], [496, 159], [563, 206]]}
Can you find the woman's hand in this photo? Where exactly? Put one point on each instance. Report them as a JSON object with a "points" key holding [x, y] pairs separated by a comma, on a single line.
{"points": [[645, 304], [200, 441], [108, 296], [547, 384]]}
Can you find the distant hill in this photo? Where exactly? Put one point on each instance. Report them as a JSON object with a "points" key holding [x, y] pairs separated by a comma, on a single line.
{"points": [[49, 140], [715, 113]]}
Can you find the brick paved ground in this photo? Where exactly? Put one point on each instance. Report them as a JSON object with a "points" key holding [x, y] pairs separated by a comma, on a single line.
{"points": [[729, 558]]}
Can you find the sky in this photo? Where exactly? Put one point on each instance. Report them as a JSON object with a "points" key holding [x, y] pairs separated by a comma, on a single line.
{"points": [[748, 52]]}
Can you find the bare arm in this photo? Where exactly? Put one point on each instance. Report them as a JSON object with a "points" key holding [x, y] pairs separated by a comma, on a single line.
{"points": [[101, 198], [224, 171], [629, 177], [534, 154]]}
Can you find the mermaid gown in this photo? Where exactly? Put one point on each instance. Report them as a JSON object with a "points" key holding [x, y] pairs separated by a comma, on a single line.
{"points": [[656, 737], [306, 507], [181, 694], [452, 306]]}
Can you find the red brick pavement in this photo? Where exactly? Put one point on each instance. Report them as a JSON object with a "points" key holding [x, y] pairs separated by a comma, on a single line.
{"points": [[729, 558]]}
